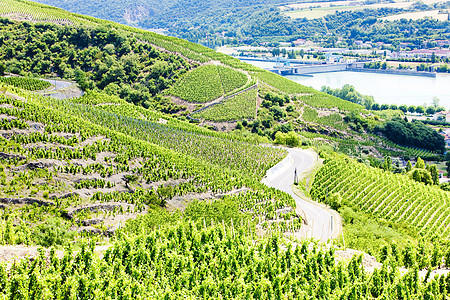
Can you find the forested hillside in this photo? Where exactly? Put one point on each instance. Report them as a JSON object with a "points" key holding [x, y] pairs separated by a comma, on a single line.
{"points": [[214, 23]]}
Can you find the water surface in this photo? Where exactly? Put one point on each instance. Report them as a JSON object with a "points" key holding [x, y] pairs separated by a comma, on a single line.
{"points": [[385, 88]]}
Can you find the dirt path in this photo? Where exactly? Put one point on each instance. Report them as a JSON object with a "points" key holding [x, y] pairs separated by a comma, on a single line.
{"points": [[62, 89]]}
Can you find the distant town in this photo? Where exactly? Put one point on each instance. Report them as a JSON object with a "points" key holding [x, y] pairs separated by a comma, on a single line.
{"points": [[302, 57]]}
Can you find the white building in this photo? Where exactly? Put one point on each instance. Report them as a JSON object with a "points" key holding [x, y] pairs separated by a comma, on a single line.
{"points": [[442, 116]]}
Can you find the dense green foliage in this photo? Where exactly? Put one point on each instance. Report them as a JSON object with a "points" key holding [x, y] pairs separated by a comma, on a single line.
{"points": [[96, 57], [67, 165], [238, 107], [348, 92], [414, 134], [214, 23], [30, 84]]}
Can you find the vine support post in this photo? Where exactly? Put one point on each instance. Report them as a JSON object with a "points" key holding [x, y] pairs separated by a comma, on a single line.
{"points": [[224, 230], [232, 227]]}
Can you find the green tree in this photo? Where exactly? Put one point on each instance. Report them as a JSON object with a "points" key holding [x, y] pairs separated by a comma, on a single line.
{"points": [[420, 109], [335, 201], [430, 110], [412, 109], [403, 108], [433, 57], [276, 51], [387, 164], [280, 138], [302, 53], [384, 106], [292, 139], [421, 175], [434, 173], [408, 166], [420, 164], [435, 102]]}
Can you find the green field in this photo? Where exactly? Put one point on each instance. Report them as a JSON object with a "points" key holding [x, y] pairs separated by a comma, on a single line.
{"points": [[319, 12], [241, 106], [207, 83]]}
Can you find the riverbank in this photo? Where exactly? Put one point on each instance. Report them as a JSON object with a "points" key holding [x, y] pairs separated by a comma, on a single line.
{"points": [[308, 67], [393, 72]]}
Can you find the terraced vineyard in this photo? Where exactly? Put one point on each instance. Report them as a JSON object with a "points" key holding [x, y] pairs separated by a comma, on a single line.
{"points": [[207, 83], [235, 154], [231, 79], [406, 151], [282, 83], [36, 12], [120, 146], [323, 100], [199, 85], [390, 196], [29, 84], [241, 106], [180, 209]]}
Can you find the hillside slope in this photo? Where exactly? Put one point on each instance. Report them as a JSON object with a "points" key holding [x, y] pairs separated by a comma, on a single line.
{"points": [[179, 208], [145, 68]]}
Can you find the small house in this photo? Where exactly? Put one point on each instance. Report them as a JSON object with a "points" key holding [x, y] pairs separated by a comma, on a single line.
{"points": [[442, 116]]}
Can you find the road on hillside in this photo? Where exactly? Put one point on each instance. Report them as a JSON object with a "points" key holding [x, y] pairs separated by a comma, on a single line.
{"points": [[319, 221]]}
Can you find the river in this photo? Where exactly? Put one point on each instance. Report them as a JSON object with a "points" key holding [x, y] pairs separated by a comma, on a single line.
{"points": [[385, 88]]}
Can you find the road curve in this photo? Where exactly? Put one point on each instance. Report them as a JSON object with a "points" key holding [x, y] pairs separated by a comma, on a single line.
{"points": [[281, 176]]}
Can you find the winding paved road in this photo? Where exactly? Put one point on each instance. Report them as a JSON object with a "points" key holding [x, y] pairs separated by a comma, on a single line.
{"points": [[281, 176]]}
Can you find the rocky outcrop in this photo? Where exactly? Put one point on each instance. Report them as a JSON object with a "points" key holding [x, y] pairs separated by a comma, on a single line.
{"points": [[4, 155], [26, 201], [98, 207]]}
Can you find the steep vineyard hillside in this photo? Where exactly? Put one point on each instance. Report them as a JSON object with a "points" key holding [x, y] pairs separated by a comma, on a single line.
{"points": [[131, 169], [390, 196], [100, 155], [154, 71]]}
